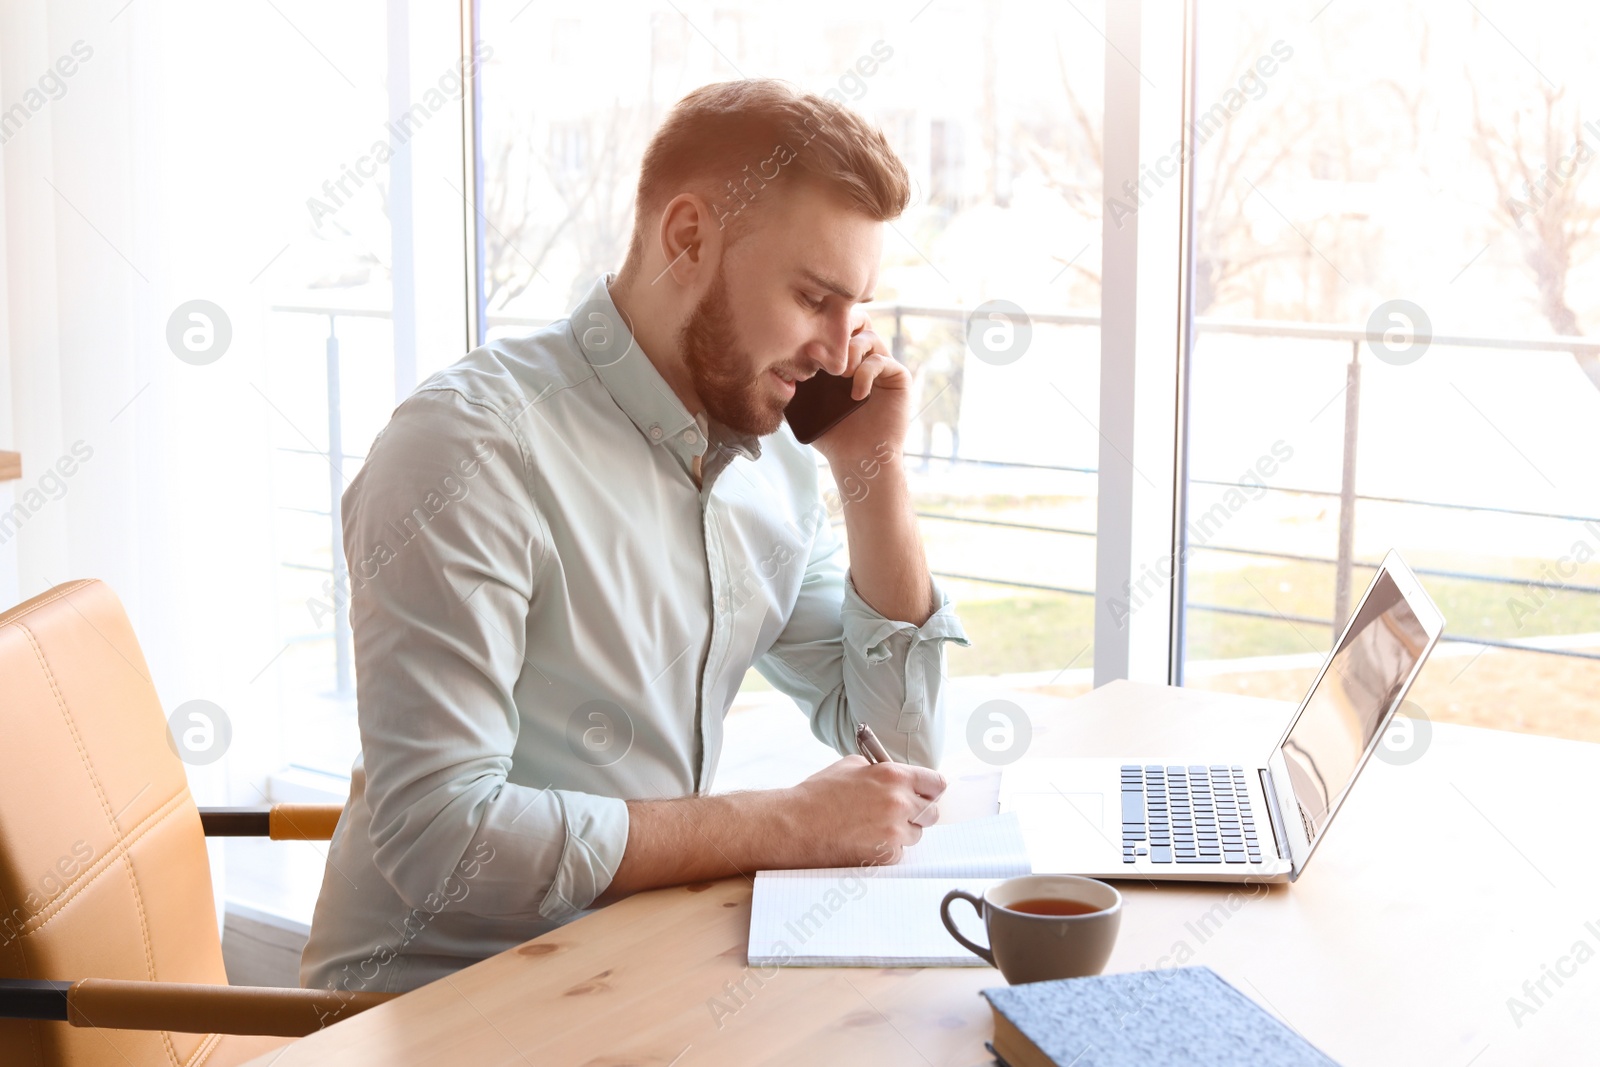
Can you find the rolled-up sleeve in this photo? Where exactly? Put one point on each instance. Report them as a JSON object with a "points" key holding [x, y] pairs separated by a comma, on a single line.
{"points": [[443, 544], [843, 662]]}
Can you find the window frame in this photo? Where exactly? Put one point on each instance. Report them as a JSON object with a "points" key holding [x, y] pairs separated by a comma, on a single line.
{"points": [[1146, 337]]}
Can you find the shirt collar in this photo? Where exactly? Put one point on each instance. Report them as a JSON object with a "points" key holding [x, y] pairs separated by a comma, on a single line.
{"points": [[602, 333]]}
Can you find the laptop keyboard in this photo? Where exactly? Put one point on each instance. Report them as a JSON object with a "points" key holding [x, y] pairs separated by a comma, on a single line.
{"points": [[1191, 814]]}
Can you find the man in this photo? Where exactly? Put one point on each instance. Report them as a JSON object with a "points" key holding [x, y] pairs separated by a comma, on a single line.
{"points": [[567, 549]]}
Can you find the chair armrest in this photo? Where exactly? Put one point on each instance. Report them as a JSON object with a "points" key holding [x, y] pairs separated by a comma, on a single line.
{"points": [[280, 822], [25, 998], [183, 1007]]}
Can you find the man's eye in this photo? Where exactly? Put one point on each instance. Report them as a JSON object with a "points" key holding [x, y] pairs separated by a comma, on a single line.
{"points": [[814, 303]]}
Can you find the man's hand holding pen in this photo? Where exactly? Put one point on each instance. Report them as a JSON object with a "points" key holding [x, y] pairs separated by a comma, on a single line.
{"points": [[871, 806]]}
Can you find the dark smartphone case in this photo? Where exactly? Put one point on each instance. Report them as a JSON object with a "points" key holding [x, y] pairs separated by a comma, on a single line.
{"points": [[819, 403]]}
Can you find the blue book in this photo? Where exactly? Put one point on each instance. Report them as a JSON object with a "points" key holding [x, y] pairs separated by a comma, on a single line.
{"points": [[1182, 1015]]}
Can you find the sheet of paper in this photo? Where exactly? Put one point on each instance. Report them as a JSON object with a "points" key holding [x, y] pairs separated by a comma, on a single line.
{"points": [[857, 920], [991, 847], [878, 916]]}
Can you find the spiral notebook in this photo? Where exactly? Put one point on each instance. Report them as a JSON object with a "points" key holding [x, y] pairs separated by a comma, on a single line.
{"points": [[886, 916]]}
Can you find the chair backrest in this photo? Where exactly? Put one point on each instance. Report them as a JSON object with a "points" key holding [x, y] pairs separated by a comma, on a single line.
{"points": [[103, 870]]}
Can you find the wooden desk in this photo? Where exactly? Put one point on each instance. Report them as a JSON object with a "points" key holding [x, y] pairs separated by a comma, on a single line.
{"points": [[1446, 885]]}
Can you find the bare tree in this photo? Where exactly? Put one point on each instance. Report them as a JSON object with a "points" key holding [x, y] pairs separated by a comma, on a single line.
{"points": [[1226, 252], [576, 194], [515, 245], [598, 196], [1070, 158], [1541, 208]]}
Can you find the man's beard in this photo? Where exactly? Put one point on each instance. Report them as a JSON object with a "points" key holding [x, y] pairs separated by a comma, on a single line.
{"points": [[732, 395]]}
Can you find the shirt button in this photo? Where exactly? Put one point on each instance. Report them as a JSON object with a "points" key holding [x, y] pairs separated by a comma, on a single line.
{"points": [[689, 437], [655, 433]]}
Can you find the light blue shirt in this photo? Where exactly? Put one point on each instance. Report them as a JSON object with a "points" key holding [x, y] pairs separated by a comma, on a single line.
{"points": [[550, 617]]}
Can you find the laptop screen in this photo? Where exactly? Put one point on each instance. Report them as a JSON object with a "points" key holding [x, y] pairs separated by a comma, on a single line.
{"points": [[1351, 701]]}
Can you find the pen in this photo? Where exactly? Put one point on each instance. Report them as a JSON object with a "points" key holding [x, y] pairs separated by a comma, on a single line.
{"points": [[868, 744]]}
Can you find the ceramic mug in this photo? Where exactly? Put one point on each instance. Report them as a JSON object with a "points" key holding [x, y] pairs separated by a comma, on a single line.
{"points": [[1031, 947]]}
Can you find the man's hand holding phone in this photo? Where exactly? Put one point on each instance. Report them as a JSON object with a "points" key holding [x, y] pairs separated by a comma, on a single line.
{"points": [[877, 402]]}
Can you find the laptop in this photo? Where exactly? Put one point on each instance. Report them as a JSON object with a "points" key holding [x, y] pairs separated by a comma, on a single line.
{"points": [[1257, 817]]}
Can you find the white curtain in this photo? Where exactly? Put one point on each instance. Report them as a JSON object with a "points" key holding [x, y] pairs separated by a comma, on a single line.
{"points": [[132, 185]]}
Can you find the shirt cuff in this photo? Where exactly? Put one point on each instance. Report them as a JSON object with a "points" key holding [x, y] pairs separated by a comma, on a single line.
{"points": [[870, 633], [597, 835]]}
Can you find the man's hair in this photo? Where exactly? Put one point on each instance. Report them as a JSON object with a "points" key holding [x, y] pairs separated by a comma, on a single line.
{"points": [[729, 140]]}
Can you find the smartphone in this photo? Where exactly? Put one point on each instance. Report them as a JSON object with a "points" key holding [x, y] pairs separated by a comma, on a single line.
{"points": [[818, 404]]}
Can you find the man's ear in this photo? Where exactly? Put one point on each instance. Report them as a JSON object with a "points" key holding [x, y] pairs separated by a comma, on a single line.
{"points": [[692, 242]]}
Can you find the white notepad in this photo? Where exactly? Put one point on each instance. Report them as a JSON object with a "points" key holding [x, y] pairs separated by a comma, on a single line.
{"points": [[886, 916]]}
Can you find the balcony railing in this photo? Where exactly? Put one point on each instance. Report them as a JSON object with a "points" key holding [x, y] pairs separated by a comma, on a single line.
{"points": [[1344, 561]]}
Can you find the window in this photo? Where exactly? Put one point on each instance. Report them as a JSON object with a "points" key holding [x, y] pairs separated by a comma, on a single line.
{"points": [[989, 290], [345, 336], [1395, 267]]}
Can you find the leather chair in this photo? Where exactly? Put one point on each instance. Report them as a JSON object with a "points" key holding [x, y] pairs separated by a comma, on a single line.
{"points": [[109, 954]]}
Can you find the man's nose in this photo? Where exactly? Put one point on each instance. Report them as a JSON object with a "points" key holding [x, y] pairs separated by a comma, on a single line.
{"points": [[830, 357]]}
